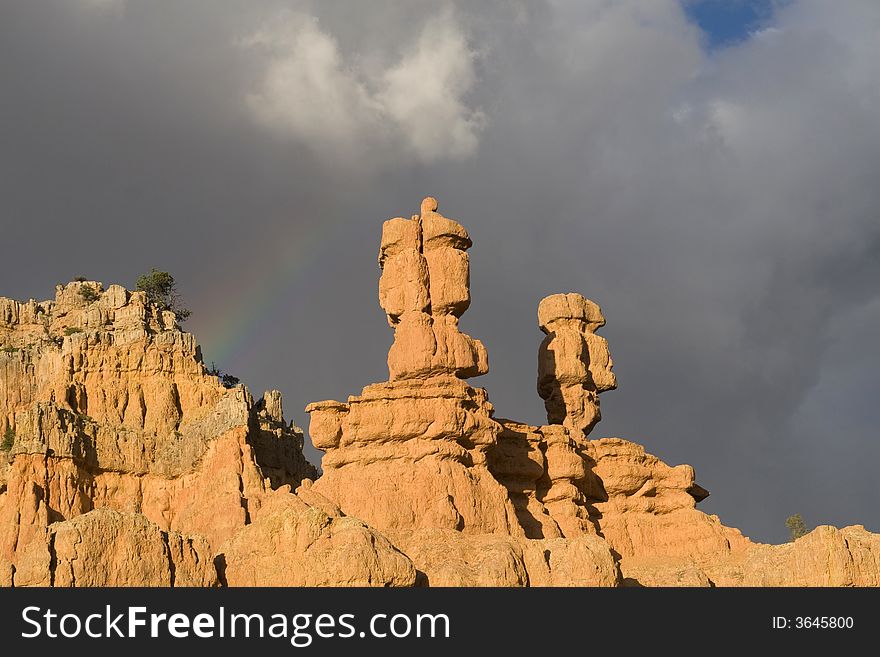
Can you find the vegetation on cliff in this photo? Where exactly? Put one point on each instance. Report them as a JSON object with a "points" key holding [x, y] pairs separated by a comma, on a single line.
{"points": [[161, 289]]}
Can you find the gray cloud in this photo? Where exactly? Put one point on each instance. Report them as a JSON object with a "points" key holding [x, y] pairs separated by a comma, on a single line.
{"points": [[310, 93], [721, 207]]}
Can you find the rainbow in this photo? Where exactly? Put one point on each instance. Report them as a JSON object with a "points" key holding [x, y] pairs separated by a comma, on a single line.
{"points": [[260, 293]]}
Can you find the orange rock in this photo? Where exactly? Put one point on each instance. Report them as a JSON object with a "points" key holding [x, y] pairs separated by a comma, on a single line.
{"points": [[420, 448], [449, 558], [647, 508], [424, 288], [574, 364], [418, 442], [128, 463], [291, 543], [108, 548], [111, 407]]}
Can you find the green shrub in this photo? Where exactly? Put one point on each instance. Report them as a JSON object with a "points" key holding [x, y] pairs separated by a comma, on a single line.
{"points": [[796, 526], [8, 440], [70, 330], [88, 293], [9, 349], [226, 379], [80, 279], [161, 289]]}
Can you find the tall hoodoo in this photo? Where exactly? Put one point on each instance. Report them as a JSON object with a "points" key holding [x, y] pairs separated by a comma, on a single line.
{"points": [[424, 288], [574, 364], [410, 453]]}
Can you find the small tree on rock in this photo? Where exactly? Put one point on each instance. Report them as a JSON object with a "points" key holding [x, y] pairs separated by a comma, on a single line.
{"points": [[796, 526], [8, 440], [89, 294], [226, 379], [161, 289]]}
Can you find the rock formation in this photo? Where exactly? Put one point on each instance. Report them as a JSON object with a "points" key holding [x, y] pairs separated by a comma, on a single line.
{"points": [[121, 443], [293, 543], [424, 289], [574, 364], [419, 441], [97, 549], [421, 456], [125, 462]]}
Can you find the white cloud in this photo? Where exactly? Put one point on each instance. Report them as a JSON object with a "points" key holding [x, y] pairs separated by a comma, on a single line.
{"points": [[309, 92], [423, 94]]}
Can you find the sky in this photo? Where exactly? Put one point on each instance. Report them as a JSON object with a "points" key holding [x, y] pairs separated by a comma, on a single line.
{"points": [[726, 23], [706, 171]]}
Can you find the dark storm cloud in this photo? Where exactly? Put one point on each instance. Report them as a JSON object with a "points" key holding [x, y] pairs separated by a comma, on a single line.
{"points": [[722, 208]]}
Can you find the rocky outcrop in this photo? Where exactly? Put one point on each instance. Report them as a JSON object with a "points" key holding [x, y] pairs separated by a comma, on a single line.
{"points": [[424, 289], [584, 560], [545, 476], [125, 462], [109, 548], [418, 442], [292, 543], [644, 507], [827, 556], [546, 469], [422, 458], [106, 404], [450, 558], [574, 364], [419, 448]]}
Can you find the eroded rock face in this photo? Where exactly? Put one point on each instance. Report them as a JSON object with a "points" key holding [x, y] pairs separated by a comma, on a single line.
{"points": [[109, 548], [546, 477], [647, 508], [475, 501], [827, 556], [109, 406], [6, 573], [583, 560], [424, 288], [445, 557], [449, 558], [125, 462], [419, 448], [292, 543], [574, 364], [418, 442]]}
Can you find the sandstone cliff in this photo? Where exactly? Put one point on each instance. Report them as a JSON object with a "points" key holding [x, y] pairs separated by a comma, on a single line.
{"points": [[124, 446], [126, 462]]}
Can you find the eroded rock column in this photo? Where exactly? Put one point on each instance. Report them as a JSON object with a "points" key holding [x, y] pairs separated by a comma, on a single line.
{"points": [[574, 364], [424, 289], [410, 453]]}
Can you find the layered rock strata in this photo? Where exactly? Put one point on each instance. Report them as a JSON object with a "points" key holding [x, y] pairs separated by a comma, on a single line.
{"points": [[119, 442], [574, 364], [124, 461], [421, 457], [424, 289], [418, 442]]}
